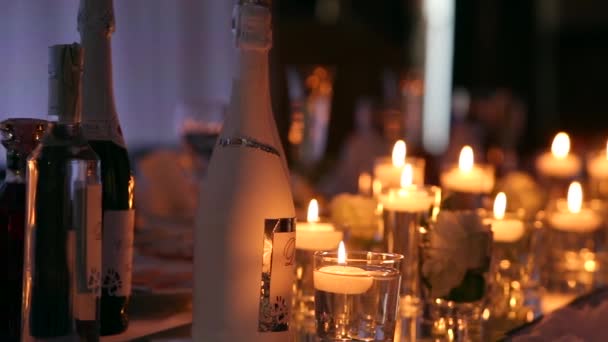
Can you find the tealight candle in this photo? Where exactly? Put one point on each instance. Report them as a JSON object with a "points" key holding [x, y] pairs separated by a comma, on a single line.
{"points": [[504, 229], [575, 218], [468, 177], [314, 235], [559, 162], [388, 170], [597, 165], [341, 278], [409, 197]]}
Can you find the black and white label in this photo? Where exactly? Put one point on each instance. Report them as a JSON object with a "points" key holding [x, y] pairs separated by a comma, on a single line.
{"points": [[88, 251], [117, 251], [278, 271]]}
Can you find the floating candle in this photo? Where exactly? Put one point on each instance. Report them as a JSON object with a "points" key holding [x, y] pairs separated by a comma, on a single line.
{"points": [[388, 170], [504, 229], [559, 162], [314, 235], [575, 218], [409, 197], [597, 165], [468, 177], [342, 278]]}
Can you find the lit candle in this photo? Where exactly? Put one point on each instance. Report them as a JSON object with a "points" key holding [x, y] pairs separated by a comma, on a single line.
{"points": [[365, 184], [504, 229], [559, 162], [388, 170], [597, 166], [552, 301], [342, 278], [574, 217], [314, 235], [468, 177], [409, 197]]}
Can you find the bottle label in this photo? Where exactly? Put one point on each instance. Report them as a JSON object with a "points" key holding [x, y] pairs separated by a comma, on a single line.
{"points": [[117, 251], [278, 263], [87, 244], [108, 130]]}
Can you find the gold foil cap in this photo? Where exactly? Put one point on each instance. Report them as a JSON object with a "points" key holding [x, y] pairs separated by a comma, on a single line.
{"points": [[65, 74]]}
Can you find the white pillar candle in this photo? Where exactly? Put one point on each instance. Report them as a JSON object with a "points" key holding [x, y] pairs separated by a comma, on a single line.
{"points": [[388, 170], [575, 218], [559, 162], [408, 198], [314, 235], [468, 177], [342, 278], [597, 165], [504, 229]]}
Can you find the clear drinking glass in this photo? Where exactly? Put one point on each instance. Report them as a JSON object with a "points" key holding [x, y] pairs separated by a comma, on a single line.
{"points": [[356, 299]]}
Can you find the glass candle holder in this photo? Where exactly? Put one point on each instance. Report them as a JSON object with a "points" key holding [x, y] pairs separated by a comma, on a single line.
{"points": [[513, 286], [405, 210], [466, 189], [455, 254], [356, 295], [310, 237], [572, 238]]}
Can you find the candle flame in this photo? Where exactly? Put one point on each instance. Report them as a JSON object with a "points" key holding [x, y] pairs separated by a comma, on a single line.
{"points": [[376, 187], [399, 153], [575, 197], [365, 183], [407, 176], [313, 211], [465, 162], [341, 253], [500, 206], [561, 145]]}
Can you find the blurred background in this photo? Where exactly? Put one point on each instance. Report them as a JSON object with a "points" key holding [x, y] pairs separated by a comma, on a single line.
{"points": [[505, 73]]}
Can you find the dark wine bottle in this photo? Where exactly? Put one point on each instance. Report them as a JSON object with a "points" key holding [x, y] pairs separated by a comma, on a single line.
{"points": [[62, 259], [19, 137], [102, 129]]}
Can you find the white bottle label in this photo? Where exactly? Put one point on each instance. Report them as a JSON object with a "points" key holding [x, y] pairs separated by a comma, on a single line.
{"points": [[88, 252], [117, 251], [277, 275]]}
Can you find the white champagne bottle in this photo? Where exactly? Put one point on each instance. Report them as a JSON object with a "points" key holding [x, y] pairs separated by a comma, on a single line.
{"points": [[245, 232]]}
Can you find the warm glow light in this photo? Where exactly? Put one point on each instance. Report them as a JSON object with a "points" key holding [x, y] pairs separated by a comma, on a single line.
{"points": [[575, 197], [561, 145], [341, 253], [365, 183], [606, 149], [407, 176], [500, 206], [399, 152], [376, 187], [465, 162], [313, 211]]}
